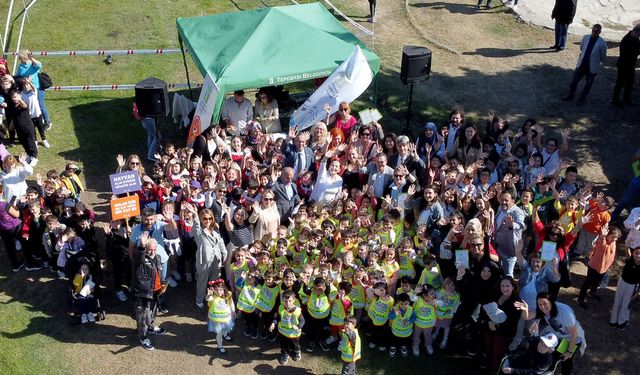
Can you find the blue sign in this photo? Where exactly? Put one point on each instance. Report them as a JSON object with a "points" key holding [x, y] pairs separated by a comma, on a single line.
{"points": [[125, 182]]}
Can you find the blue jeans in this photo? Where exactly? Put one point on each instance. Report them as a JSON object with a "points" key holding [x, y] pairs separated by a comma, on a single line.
{"points": [[630, 195], [561, 34], [508, 264], [43, 107], [153, 136]]}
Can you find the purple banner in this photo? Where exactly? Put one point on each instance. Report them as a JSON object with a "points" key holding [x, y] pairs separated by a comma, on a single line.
{"points": [[125, 182]]}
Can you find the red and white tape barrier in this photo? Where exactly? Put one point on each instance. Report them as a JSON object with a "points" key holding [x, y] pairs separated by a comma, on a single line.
{"points": [[116, 87], [104, 52]]}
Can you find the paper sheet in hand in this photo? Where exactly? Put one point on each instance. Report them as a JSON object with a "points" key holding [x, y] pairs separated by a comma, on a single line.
{"points": [[86, 289], [369, 115], [548, 251], [462, 258]]}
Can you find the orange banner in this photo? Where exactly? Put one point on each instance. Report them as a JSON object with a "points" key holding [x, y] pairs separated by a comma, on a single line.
{"points": [[122, 208]]}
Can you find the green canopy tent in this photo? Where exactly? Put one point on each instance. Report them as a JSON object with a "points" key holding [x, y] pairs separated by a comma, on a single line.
{"points": [[268, 46]]}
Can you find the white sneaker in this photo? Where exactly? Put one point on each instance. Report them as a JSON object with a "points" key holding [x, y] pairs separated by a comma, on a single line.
{"points": [[91, 318], [416, 351], [429, 349], [176, 275], [443, 344], [199, 305], [515, 8], [46, 144], [32, 161], [47, 126], [172, 283], [121, 296], [331, 340], [188, 277], [84, 318]]}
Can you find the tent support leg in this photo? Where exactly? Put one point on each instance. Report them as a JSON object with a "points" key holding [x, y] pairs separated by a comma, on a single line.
{"points": [[186, 69]]}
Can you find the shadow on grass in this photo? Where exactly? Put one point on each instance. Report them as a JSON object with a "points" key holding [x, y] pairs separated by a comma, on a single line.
{"points": [[506, 53], [467, 9]]}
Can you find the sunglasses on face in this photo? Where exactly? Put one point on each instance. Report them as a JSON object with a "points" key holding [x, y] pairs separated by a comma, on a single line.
{"points": [[134, 163], [365, 134], [477, 244], [267, 199], [207, 218]]}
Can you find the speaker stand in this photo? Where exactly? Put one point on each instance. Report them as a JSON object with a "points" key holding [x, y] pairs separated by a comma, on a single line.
{"points": [[410, 101]]}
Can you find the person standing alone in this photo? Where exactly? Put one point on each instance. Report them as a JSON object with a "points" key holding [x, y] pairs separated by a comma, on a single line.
{"points": [[593, 50], [563, 12], [629, 51]]}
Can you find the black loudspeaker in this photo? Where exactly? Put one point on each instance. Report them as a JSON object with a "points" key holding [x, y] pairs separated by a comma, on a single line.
{"points": [[416, 64], [152, 98]]}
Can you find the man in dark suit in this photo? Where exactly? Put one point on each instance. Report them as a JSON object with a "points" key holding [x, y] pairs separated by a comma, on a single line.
{"points": [[296, 153], [408, 157], [629, 51], [286, 195]]}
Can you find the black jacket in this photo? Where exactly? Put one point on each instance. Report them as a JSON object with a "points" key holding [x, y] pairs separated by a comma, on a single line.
{"points": [[146, 269], [564, 11]]}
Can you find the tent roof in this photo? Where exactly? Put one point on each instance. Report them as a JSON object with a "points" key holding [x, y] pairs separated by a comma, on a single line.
{"points": [[269, 46]]}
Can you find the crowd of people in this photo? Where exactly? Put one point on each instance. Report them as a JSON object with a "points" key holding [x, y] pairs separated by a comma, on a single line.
{"points": [[467, 231]]}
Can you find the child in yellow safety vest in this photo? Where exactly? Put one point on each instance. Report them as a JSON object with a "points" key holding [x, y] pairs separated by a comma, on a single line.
{"points": [[378, 312], [349, 347], [318, 310], [448, 301], [425, 312], [266, 303], [249, 289], [289, 321], [221, 312], [401, 320], [340, 308]]}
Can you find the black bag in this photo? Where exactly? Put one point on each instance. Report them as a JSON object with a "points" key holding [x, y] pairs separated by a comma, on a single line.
{"points": [[45, 81]]}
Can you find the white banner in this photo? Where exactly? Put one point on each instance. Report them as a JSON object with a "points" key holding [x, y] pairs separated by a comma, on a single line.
{"points": [[204, 109], [345, 84]]}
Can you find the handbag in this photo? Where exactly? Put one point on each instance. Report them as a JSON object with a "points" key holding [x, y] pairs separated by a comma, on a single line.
{"points": [[45, 80]]}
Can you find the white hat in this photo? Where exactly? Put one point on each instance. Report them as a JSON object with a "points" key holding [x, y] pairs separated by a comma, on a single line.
{"points": [[495, 314], [550, 340]]}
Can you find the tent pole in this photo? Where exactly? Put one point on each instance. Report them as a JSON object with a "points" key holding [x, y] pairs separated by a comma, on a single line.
{"points": [[186, 69]]}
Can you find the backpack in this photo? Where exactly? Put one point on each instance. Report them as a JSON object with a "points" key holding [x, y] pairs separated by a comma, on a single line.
{"points": [[45, 81]]}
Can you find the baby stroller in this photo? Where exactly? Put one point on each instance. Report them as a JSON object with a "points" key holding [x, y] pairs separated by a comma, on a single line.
{"points": [[71, 269], [557, 359]]}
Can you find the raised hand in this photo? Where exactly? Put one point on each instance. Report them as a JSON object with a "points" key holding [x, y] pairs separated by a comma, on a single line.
{"points": [[564, 133], [120, 160]]}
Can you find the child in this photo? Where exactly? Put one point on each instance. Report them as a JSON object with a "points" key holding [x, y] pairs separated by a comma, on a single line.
{"points": [[401, 319], [318, 308], [602, 257], [248, 294], [390, 267], [407, 287], [289, 321], [266, 303], [349, 345], [68, 244], [599, 208], [82, 289], [358, 291], [425, 312], [30, 96], [221, 312], [431, 274], [340, 308], [407, 256], [448, 301], [378, 311]]}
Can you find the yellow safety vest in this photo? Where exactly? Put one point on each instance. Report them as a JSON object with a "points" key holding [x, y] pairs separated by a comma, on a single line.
{"points": [[401, 326], [267, 298], [237, 269], [247, 298], [304, 297], [444, 311], [338, 313], [406, 266], [220, 310], [350, 352], [389, 268], [357, 296], [425, 314], [318, 308], [289, 319], [379, 310]]}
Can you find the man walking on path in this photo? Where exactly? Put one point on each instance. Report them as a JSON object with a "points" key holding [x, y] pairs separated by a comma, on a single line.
{"points": [[593, 50]]}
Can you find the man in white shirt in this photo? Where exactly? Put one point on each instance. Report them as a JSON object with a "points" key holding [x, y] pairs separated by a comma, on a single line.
{"points": [[237, 111]]}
